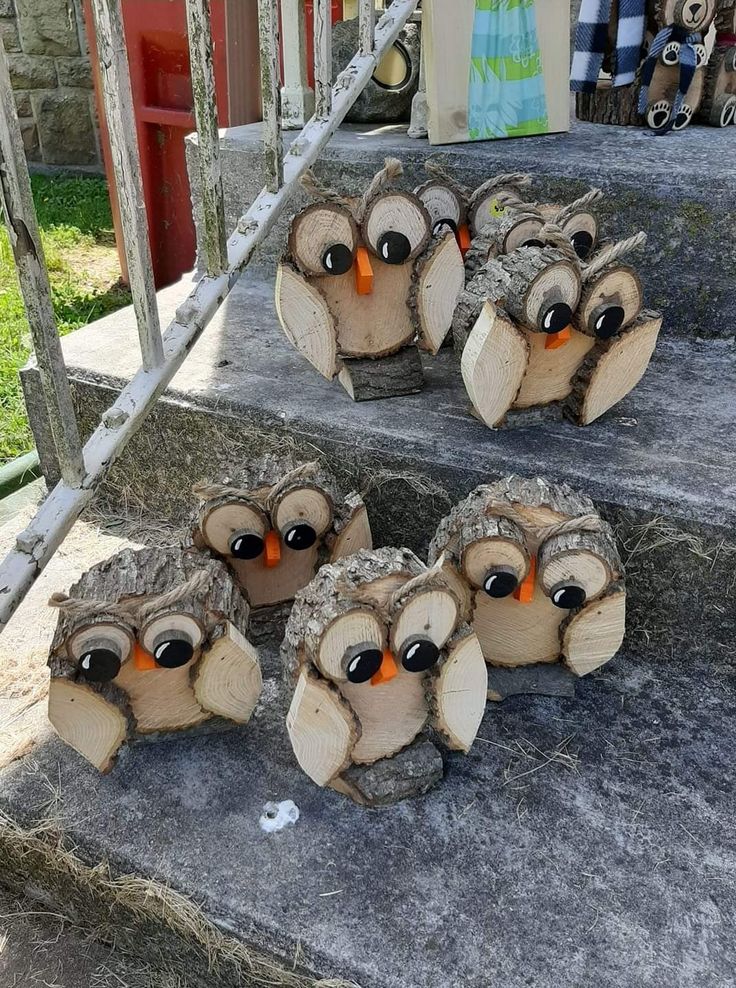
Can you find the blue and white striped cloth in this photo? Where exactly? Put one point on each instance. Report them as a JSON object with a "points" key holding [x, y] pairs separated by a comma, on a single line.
{"points": [[591, 40]]}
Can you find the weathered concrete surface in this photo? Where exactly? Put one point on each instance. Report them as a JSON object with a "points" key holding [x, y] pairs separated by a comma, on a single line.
{"points": [[680, 189], [582, 842], [662, 463]]}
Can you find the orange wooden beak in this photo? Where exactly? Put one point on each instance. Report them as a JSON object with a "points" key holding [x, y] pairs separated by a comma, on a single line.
{"points": [[524, 593], [271, 549], [555, 340], [388, 669], [463, 239], [363, 272], [143, 660]]}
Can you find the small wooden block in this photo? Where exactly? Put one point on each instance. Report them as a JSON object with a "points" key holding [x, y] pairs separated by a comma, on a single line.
{"points": [[412, 772], [386, 377]]}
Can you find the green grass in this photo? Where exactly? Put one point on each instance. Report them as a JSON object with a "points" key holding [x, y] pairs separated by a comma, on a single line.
{"points": [[76, 232]]}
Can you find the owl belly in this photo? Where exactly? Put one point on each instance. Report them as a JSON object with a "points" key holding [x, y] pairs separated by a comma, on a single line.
{"points": [[371, 325], [390, 715], [549, 373], [266, 585], [161, 699], [516, 634]]}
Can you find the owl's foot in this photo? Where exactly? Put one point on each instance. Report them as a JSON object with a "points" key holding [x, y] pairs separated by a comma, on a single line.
{"points": [[684, 116], [658, 114], [412, 772], [612, 369], [399, 374]]}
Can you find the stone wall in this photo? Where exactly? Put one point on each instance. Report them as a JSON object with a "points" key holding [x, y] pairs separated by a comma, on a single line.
{"points": [[52, 79]]}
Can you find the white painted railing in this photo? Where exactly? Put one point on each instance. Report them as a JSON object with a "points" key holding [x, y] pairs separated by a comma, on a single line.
{"points": [[162, 355]]}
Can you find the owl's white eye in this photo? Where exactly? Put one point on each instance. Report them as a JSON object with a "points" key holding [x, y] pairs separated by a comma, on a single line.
{"points": [[235, 528], [496, 565], [571, 571], [351, 646], [444, 207], [397, 227], [428, 617], [610, 302], [172, 639], [323, 240], [100, 650], [302, 516]]}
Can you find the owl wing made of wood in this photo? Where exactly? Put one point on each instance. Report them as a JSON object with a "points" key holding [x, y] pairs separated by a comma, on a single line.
{"points": [[541, 336], [540, 572], [376, 650], [149, 641], [275, 521], [364, 284]]}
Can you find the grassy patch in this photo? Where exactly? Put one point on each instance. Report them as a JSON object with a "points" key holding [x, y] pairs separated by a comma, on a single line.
{"points": [[78, 241]]}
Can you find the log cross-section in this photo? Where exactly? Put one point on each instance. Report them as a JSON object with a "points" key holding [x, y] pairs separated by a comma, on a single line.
{"points": [[120, 119]]}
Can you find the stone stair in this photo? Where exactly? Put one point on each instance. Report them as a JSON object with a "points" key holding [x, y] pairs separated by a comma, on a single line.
{"points": [[578, 842]]}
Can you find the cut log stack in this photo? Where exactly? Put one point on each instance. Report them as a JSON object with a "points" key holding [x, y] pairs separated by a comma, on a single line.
{"points": [[542, 335], [275, 521], [149, 642], [718, 108], [675, 45], [378, 653], [541, 582], [365, 286]]}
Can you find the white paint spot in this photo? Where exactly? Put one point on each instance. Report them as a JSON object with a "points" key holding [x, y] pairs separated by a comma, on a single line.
{"points": [[276, 816]]}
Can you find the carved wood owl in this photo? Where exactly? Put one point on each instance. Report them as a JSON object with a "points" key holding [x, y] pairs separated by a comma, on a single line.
{"points": [[539, 572], [540, 335], [363, 285], [149, 641], [274, 522], [377, 651]]}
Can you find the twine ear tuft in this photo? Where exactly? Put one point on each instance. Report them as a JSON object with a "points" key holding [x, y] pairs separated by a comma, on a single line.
{"points": [[314, 188], [613, 252], [391, 171]]}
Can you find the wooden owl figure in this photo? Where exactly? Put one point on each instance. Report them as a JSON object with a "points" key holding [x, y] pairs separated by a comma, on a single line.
{"points": [[377, 652], [718, 108], [520, 224], [539, 336], [540, 572], [275, 522], [673, 72], [364, 286], [448, 202], [149, 641]]}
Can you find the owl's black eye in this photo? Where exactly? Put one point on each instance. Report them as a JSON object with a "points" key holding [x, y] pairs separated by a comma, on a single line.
{"points": [[337, 259], [609, 322], [300, 537], [394, 248], [419, 655], [582, 243], [556, 318], [246, 545], [568, 596], [443, 225], [100, 665], [364, 664], [533, 243], [173, 653], [500, 582]]}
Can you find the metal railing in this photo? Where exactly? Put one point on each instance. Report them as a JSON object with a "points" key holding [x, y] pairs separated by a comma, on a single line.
{"points": [[162, 354]]}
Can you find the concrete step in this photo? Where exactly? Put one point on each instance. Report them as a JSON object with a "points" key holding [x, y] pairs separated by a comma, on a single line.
{"points": [[662, 463], [581, 842], [680, 189]]}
